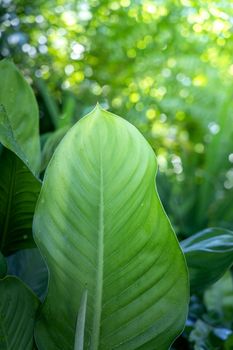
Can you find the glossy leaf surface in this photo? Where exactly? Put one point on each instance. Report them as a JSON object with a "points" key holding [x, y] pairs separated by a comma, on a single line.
{"points": [[20, 104], [18, 306], [209, 254], [101, 227]]}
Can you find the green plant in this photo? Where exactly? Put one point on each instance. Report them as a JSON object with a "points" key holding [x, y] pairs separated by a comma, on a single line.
{"points": [[117, 276], [101, 228]]}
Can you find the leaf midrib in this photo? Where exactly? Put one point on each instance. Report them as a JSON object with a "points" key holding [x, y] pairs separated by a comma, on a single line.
{"points": [[100, 263]]}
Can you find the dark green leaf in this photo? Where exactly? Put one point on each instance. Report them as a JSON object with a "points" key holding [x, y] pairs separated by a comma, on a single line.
{"points": [[18, 306], [19, 190], [209, 254]]}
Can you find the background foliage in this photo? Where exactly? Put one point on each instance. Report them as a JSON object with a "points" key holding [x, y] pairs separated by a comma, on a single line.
{"points": [[167, 67]]}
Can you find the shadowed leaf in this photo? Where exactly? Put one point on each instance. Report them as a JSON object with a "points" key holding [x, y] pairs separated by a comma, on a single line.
{"points": [[18, 306], [209, 254]]}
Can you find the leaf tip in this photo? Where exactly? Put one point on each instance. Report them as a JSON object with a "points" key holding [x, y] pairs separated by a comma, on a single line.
{"points": [[98, 110], [98, 107]]}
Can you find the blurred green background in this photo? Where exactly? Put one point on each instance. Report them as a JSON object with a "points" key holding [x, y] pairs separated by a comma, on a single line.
{"points": [[166, 66]]}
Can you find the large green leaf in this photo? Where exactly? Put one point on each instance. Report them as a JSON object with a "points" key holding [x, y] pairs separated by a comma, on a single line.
{"points": [[19, 101], [18, 306], [19, 190], [209, 254], [101, 227]]}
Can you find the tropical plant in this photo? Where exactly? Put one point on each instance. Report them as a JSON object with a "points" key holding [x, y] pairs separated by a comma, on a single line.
{"points": [[112, 274], [100, 227]]}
